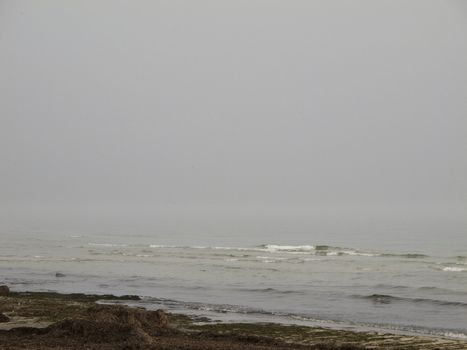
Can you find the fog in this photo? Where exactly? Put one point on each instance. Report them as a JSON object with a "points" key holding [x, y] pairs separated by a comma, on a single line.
{"points": [[233, 116]]}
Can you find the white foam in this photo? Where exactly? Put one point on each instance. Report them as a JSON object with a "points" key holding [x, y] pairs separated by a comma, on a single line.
{"points": [[454, 269], [354, 253], [106, 245], [272, 248], [455, 335], [162, 246]]}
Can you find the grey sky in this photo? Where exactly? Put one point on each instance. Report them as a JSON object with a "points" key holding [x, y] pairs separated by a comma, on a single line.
{"points": [[175, 114]]}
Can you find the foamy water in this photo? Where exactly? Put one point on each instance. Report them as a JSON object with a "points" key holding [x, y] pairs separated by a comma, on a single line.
{"points": [[418, 289]]}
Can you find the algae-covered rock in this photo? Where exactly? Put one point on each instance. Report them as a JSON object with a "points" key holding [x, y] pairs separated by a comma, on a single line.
{"points": [[4, 318], [4, 290], [104, 323]]}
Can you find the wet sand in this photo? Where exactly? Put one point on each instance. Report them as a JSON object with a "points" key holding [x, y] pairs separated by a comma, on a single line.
{"points": [[78, 321]]}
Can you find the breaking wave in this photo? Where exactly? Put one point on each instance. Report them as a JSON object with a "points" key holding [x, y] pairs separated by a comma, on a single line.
{"points": [[320, 250], [272, 248], [454, 269]]}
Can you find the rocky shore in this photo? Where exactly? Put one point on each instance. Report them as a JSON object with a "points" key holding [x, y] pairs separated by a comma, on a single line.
{"points": [[77, 321]]}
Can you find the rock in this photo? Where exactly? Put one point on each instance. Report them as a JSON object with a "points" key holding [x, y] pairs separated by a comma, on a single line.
{"points": [[148, 320], [203, 319], [4, 318], [163, 319], [113, 323], [59, 274], [99, 332], [4, 290]]}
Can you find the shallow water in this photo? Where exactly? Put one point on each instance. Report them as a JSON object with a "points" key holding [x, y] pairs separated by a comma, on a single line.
{"points": [[412, 284]]}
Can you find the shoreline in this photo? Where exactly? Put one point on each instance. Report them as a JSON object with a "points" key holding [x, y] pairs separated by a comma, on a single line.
{"points": [[34, 317], [260, 317]]}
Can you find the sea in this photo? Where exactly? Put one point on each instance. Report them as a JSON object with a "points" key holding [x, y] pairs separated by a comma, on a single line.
{"points": [[407, 283]]}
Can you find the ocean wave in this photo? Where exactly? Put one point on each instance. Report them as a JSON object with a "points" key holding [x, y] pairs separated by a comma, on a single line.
{"points": [[327, 250], [423, 289], [442, 290], [162, 246], [107, 245], [223, 308], [306, 249], [388, 299], [407, 255], [273, 291], [272, 248], [455, 335], [454, 269], [318, 250], [391, 286]]}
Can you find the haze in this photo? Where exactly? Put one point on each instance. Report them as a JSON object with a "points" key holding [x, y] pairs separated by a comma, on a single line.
{"points": [[233, 116]]}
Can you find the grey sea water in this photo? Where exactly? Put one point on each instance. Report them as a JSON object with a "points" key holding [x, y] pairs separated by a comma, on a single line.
{"points": [[414, 284]]}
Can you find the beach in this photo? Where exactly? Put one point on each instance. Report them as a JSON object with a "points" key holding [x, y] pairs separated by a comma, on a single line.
{"points": [[47, 320], [417, 287]]}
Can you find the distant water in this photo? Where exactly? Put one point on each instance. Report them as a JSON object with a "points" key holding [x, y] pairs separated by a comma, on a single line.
{"points": [[410, 284]]}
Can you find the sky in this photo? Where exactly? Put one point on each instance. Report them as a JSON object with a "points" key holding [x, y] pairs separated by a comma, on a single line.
{"points": [[245, 115]]}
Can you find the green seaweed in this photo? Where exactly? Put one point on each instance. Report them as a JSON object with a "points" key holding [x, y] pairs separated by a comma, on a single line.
{"points": [[51, 307]]}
